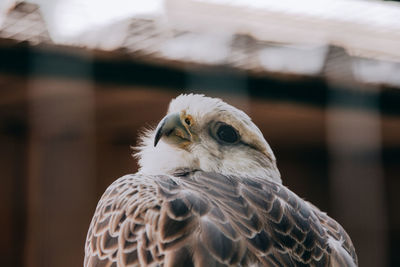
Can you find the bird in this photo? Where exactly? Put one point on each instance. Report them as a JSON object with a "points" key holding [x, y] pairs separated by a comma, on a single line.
{"points": [[208, 192]]}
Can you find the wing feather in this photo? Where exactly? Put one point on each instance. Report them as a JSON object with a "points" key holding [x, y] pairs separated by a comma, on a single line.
{"points": [[207, 219]]}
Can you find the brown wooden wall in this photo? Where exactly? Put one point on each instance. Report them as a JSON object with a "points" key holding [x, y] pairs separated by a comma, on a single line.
{"points": [[62, 142]]}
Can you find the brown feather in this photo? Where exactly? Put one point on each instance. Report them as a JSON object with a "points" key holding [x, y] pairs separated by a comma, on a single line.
{"points": [[206, 219]]}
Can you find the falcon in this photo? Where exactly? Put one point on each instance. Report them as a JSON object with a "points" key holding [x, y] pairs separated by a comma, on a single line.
{"points": [[208, 193]]}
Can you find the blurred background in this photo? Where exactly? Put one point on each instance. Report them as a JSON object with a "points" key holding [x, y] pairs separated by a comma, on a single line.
{"points": [[80, 79]]}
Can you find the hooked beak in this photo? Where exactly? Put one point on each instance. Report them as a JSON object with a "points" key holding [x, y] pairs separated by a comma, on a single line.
{"points": [[174, 131]]}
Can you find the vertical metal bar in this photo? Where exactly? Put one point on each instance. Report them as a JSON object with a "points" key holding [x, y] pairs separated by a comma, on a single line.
{"points": [[356, 176], [61, 163]]}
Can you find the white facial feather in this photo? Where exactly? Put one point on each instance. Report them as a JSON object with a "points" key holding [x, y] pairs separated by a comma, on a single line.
{"points": [[252, 157]]}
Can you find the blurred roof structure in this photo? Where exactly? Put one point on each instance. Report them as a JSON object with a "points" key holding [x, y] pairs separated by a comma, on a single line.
{"points": [[160, 40], [24, 22], [365, 28]]}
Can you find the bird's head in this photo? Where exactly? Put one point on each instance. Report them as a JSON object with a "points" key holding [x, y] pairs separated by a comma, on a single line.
{"points": [[203, 133]]}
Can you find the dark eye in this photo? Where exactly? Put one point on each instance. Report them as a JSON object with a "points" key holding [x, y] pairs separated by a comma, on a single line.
{"points": [[227, 134]]}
